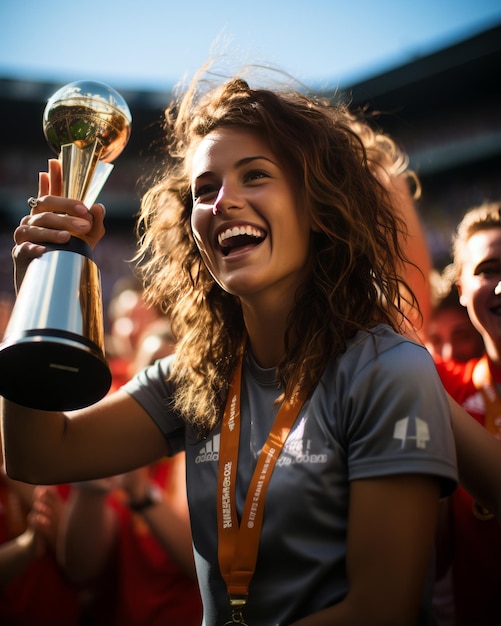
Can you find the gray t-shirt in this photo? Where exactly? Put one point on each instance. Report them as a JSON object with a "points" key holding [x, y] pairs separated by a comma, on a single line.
{"points": [[379, 410]]}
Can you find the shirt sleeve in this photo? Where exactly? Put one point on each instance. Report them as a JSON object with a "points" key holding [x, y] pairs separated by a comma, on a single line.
{"points": [[154, 393], [396, 417]]}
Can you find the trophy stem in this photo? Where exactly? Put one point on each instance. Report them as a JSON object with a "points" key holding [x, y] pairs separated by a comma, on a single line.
{"points": [[84, 174]]}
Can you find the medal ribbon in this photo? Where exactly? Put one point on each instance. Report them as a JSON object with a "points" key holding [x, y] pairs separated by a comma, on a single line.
{"points": [[483, 382], [238, 545]]}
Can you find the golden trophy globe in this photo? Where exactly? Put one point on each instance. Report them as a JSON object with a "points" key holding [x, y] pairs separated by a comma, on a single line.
{"points": [[52, 355]]}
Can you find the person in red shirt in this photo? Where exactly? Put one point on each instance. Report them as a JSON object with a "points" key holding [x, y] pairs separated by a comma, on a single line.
{"points": [[33, 586], [449, 333], [473, 537], [129, 537]]}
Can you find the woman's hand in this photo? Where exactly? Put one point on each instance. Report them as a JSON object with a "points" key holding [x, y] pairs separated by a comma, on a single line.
{"points": [[136, 483], [53, 220], [45, 516]]}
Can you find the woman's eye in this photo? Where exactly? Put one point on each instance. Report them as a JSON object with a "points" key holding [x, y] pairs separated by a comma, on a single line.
{"points": [[205, 192], [488, 270], [255, 175]]}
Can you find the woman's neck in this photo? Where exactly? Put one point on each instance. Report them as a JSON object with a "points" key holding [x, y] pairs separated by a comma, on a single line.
{"points": [[266, 326]]}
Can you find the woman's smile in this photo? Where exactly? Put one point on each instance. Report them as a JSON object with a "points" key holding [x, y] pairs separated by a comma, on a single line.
{"points": [[233, 239]]}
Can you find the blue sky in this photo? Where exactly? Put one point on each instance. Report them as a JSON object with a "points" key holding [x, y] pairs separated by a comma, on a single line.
{"points": [[151, 44]]}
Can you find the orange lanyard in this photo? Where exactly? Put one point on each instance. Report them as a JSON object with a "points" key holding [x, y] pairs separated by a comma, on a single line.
{"points": [[238, 545], [483, 382]]}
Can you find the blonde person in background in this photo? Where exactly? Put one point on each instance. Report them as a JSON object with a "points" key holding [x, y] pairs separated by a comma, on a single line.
{"points": [[471, 540]]}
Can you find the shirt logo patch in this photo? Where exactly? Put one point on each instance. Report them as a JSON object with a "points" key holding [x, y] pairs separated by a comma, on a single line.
{"points": [[412, 429], [210, 451], [297, 449]]}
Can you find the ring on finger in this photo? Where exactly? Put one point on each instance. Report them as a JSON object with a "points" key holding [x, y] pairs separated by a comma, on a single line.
{"points": [[33, 203]]}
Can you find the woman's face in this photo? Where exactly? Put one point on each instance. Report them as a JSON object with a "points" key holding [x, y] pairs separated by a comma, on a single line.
{"points": [[251, 233], [481, 272]]}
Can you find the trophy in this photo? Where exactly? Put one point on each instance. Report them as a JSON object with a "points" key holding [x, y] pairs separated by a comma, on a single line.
{"points": [[52, 355]]}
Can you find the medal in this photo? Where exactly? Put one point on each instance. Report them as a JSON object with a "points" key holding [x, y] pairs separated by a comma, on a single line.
{"points": [[236, 618], [237, 603]]}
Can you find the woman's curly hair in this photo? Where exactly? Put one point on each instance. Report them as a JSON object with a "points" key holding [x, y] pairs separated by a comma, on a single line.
{"points": [[339, 164]]}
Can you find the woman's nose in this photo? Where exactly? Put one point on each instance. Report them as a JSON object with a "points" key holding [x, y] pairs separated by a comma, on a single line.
{"points": [[497, 289], [215, 206], [227, 198]]}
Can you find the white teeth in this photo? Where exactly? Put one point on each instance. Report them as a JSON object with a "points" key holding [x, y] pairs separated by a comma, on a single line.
{"points": [[239, 230]]}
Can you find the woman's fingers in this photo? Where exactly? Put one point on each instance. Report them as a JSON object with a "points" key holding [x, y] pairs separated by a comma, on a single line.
{"points": [[55, 177], [53, 220], [43, 226], [98, 213], [51, 182], [72, 216], [56, 204], [43, 184], [22, 255], [25, 252]]}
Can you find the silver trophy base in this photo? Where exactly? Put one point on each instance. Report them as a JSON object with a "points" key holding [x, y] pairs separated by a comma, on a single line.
{"points": [[52, 355], [52, 371]]}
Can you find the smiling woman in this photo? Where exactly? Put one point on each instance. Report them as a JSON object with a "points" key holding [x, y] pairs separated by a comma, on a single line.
{"points": [[472, 532], [274, 241], [249, 191]]}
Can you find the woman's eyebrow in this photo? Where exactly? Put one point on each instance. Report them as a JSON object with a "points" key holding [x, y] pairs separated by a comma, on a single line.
{"points": [[240, 163], [257, 157]]}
